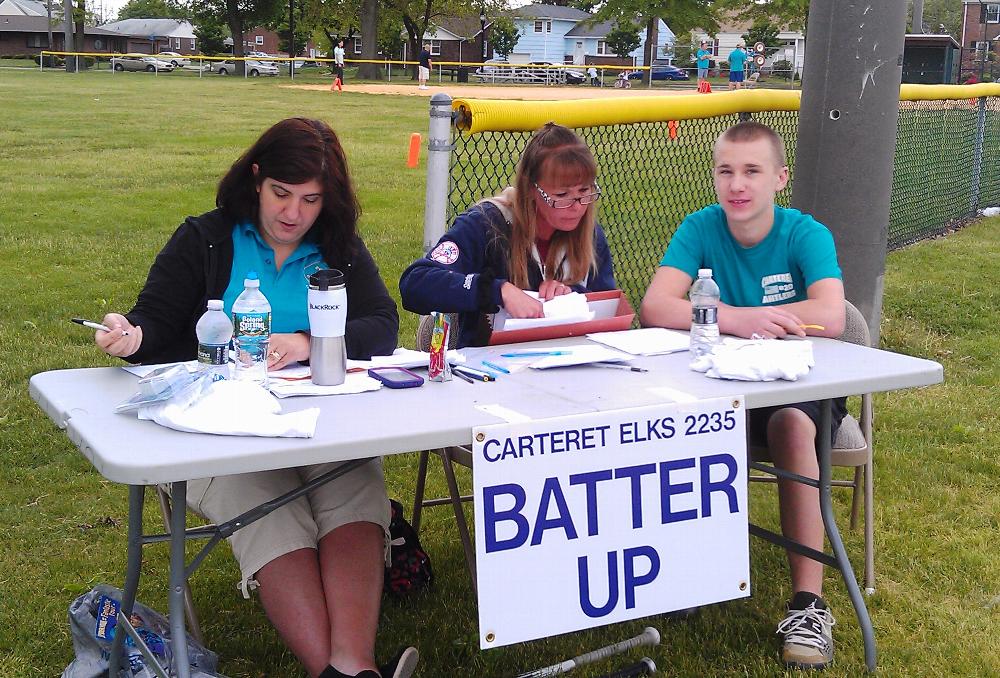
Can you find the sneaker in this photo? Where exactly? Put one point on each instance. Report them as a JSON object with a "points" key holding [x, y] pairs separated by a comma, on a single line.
{"points": [[807, 630], [402, 665]]}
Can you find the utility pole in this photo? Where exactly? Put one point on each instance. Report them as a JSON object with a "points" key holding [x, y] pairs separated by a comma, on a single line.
{"points": [[847, 136], [291, 38], [48, 45], [68, 34]]}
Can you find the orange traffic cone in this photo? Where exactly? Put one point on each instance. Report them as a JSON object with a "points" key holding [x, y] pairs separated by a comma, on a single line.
{"points": [[708, 87], [336, 85]]}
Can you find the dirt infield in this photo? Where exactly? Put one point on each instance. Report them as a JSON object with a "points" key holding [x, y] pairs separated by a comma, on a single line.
{"points": [[537, 92]]}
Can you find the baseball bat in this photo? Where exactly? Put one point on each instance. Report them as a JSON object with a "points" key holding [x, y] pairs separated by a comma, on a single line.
{"points": [[643, 667], [649, 636]]}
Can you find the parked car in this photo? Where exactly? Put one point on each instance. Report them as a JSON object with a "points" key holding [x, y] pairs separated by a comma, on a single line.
{"points": [[254, 68], [662, 73], [140, 62], [178, 60]]}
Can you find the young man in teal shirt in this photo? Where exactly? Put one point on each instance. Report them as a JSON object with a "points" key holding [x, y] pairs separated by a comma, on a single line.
{"points": [[777, 272], [737, 60], [704, 56]]}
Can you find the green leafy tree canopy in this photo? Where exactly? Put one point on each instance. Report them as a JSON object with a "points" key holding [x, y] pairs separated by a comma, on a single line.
{"points": [[623, 38], [153, 9], [504, 35]]}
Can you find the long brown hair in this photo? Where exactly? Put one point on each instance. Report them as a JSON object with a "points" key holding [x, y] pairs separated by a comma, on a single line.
{"points": [[294, 151], [557, 155]]}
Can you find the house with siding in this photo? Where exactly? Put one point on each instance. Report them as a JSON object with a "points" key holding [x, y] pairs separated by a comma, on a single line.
{"points": [[24, 31], [792, 48], [151, 36], [980, 37]]}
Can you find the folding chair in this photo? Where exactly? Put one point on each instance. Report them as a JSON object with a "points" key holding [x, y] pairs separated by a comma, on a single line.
{"points": [[449, 457], [852, 448]]}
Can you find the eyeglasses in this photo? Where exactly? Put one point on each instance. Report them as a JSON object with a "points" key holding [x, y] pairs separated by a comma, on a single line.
{"points": [[565, 203]]}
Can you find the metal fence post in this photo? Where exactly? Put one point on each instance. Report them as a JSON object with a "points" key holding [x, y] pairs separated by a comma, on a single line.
{"points": [[438, 172], [977, 155]]}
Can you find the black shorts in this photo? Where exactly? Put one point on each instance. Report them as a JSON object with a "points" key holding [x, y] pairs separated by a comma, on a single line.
{"points": [[758, 418]]}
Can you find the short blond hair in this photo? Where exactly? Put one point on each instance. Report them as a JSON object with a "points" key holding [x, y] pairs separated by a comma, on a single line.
{"points": [[751, 130]]}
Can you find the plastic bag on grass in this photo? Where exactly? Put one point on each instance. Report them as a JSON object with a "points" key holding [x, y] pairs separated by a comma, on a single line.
{"points": [[92, 621]]}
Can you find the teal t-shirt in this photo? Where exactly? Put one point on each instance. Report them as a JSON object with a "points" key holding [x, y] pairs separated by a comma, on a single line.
{"points": [[736, 59], [703, 55], [286, 290], [779, 269]]}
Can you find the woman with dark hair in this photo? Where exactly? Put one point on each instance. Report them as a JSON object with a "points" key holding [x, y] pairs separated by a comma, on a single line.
{"points": [[285, 209], [539, 234]]}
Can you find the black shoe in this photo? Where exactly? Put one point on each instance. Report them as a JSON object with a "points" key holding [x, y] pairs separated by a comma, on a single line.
{"points": [[402, 665], [808, 632], [330, 672]]}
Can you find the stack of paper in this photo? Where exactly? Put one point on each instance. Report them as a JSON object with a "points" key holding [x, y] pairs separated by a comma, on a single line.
{"points": [[561, 310], [645, 341]]}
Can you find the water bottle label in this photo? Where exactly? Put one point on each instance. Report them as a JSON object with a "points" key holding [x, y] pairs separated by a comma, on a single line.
{"points": [[704, 315], [252, 324], [213, 354]]}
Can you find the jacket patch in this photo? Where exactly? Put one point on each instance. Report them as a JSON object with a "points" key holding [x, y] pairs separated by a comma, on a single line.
{"points": [[468, 281], [445, 253]]}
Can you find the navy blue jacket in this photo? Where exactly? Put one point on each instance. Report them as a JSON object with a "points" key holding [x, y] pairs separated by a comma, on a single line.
{"points": [[464, 272]]}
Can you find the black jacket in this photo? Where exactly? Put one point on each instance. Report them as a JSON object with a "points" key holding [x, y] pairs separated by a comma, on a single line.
{"points": [[195, 265]]}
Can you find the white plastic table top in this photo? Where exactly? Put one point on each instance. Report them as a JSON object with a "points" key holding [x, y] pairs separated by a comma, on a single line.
{"points": [[126, 450]]}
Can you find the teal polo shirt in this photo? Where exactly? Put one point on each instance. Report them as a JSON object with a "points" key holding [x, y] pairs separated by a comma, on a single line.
{"points": [[286, 290]]}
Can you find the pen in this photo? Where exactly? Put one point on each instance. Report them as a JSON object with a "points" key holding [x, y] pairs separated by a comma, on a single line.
{"points": [[462, 376], [616, 366], [528, 354], [474, 374], [494, 366], [94, 326], [813, 327]]}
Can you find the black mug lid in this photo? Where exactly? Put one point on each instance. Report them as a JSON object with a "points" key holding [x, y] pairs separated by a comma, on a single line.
{"points": [[325, 278]]}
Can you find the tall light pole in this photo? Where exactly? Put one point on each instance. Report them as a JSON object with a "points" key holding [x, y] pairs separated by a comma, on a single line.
{"points": [[291, 38], [482, 32]]}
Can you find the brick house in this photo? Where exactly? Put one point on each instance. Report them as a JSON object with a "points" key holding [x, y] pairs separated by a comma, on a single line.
{"points": [[24, 31], [980, 39], [151, 36]]}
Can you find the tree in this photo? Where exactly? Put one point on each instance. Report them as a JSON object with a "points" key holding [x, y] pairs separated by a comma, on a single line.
{"points": [[938, 13], [152, 9], [369, 40], [239, 15], [504, 34], [211, 34], [763, 31], [623, 39]]}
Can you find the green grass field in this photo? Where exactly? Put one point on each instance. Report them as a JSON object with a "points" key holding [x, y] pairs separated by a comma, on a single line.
{"points": [[96, 172]]}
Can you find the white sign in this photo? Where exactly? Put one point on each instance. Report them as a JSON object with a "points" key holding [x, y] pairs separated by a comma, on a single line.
{"points": [[594, 519]]}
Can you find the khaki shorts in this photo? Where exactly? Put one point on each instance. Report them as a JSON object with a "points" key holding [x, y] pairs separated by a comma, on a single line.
{"points": [[358, 496], [423, 73]]}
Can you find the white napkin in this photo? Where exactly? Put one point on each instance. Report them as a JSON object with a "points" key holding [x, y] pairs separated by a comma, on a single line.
{"points": [[356, 382], [757, 360], [232, 408]]}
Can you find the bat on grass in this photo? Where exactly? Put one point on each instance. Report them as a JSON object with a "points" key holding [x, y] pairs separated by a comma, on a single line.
{"points": [[649, 636], [643, 667]]}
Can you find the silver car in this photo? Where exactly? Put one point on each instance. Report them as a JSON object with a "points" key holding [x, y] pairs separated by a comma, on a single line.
{"points": [[140, 62], [254, 68], [178, 60]]}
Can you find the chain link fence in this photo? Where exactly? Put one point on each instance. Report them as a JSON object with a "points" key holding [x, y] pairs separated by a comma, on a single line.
{"points": [[653, 174]]}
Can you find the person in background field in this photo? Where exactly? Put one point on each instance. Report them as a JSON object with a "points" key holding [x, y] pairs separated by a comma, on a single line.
{"points": [[539, 234], [424, 69], [777, 270], [592, 73], [338, 59], [737, 61], [704, 56], [285, 209]]}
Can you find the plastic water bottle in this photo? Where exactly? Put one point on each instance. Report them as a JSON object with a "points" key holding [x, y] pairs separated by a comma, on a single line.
{"points": [[251, 332], [214, 330], [704, 313]]}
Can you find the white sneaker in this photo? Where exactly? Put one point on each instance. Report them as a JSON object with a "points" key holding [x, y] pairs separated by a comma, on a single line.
{"points": [[422, 87], [807, 628]]}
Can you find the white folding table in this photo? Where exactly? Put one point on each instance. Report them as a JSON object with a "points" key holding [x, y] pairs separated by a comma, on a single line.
{"points": [[358, 427]]}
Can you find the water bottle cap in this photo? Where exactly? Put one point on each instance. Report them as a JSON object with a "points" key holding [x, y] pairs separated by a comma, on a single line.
{"points": [[704, 273], [215, 304], [251, 280], [326, 278]]}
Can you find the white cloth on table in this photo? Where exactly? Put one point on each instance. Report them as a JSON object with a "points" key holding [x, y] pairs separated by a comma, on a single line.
{"points": [[233, 408], [757, 359]]}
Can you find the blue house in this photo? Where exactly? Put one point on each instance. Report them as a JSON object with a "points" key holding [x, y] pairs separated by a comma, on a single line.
{"points": [[551, 33]]}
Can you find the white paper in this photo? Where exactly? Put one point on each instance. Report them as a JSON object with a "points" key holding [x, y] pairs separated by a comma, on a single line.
{"points": [[578, 354], [644, 341], [561, 310], [356, 382]]}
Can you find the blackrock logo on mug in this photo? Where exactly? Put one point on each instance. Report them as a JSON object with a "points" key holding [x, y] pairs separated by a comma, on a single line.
{"points": [[323, 307]]}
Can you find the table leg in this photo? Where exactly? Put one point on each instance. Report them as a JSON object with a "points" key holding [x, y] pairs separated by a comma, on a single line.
{"points": [[178, 499], [133, 567], [833, 534]]}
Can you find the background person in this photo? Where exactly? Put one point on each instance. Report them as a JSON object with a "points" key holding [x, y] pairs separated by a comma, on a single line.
{"points": [[704, 56], [424, 69], [592, 73], [777, 270], [338, 59], [285, 209], [539, 234], [737, 62]]}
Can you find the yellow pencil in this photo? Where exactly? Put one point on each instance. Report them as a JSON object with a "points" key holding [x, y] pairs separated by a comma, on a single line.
{"points": [[812, 327]]}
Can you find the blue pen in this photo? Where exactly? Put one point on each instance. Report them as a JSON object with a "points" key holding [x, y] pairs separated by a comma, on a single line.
{"points": [[529, 354], [494, 366]]}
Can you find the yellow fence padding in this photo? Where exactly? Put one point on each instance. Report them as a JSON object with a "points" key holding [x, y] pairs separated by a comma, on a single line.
{"points": [[496, 115]]}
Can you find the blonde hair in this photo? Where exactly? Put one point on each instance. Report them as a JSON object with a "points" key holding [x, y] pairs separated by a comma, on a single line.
{"points": [[554, 154]]}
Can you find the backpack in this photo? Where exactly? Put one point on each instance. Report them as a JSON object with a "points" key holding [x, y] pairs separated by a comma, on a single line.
{"points": [[409, 567]]}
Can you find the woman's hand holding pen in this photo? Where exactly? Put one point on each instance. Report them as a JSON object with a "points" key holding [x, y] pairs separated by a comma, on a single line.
{"points": [[286, 349], [518, 304], [123, 339]]}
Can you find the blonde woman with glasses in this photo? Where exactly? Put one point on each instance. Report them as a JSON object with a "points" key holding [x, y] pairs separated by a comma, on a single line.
{"points": [[539, 234]]}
